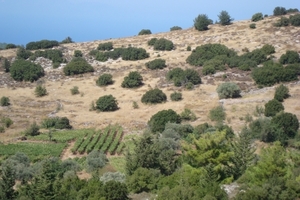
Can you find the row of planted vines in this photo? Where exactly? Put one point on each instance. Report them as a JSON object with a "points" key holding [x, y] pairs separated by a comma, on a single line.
{"points": [[108, 140]]}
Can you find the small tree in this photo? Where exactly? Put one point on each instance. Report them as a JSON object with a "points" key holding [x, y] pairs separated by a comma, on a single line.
{"points": [[163, 44], [40, 91], [104, 79], [279, 11], [224, 18], [152, 41], [158, 121], [201, 22], [67, 40], [95, 160], [145, 32], [134, 79], [175, 28], [228, 90], [289, 57], [77, 66], [4, 101], [156, 64], [281, 93], [77, 53], [154, 96], [176, 96], [23, 70], [288, 122], [107, 103], [273, 107], [257, 17]]}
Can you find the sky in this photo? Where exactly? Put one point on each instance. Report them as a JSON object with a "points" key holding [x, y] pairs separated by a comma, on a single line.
{"points": [[24, 21]]}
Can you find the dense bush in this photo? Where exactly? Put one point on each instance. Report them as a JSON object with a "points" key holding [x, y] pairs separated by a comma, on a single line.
{"points": [[252, 26], [101, 56], [107, 46], [181, 77], [256, 55], [228, 90], [272, 73], [154, 96], [175, 28], [40, 91], [23, 53], [160, 119], [104, 79], [294, 67], [295, 20], [287, 122], [23, 70], [283, 21], [268, 49], [273, 107], [77, 53], [279, 11], [156, 64], [74, 90], [67, 40], [132, 53], [56, 122], [257, 17], [134, 79], [201, 22], [289, 57], [77, 66], [54, 54], [152, 41], [292, 10], [43, 44], [224, 18], [95, 160], [4, 101], [207, 52], [107, 103], [176, 96], [145, 32], [281, 93], [163, 44], [217, 114], [10, 46]]}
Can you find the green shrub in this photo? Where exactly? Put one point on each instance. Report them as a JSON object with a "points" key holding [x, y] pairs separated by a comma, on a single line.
{"points": [[201, 22], [289, 57], [189, 48], [279, 11], [42, 44], [107, 103], [228, 90], [145, 32], [55, 65], [281, 93], [95, 160], [257, 17], [208, 70], [256, 55], [107, 46], [295, 20], [292, 10], [224, 18], [10, 46], [154, 96], [6, 121], [283, 21], [181, 77], [4, 101], [175, 28], [134, 79], [207, 52], [160, 119], [56, 122], [132, 53], [273, 107], [188, 115], [23, 70], [74, 90], [176, 96], [152, 41], [23, 53], [268, 49], [77, 53], [33, 130], [67, 40], [93, 52], [217, 114], [77, 66], [156, 64], [104, 79], [287, 122], [135, 105], [40, 91], [163, 44], [252, 26], [100, 56], [53, 54], [294, 67]]}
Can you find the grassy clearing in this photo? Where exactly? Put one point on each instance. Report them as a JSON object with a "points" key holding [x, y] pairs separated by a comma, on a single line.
{"points": [[118, 162]]}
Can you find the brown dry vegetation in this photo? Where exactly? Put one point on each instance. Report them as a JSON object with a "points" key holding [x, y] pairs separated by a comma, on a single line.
{"points": [[26, 108]]}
